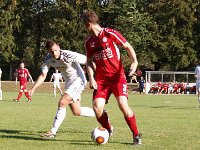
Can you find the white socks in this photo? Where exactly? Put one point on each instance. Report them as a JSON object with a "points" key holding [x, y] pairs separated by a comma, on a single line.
{"points": [[87, 112], [61, 113], [60, 116], [54, 92]]}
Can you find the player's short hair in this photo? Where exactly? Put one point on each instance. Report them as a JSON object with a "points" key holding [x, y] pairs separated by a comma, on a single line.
{"points": [[90, 16], [50, 43]]}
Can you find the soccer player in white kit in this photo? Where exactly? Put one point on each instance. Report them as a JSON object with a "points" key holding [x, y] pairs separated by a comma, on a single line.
{"points": [[56, 77], [68, 63], [197, 76]]}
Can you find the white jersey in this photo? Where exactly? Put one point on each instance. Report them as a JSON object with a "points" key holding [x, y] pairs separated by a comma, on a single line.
{"points": [[57, 77], [197, 72], [68, 65]]}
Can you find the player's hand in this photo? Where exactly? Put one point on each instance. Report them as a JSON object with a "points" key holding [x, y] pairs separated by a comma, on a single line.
{"points": [[132, 69], [31, 92], [93, 84]]}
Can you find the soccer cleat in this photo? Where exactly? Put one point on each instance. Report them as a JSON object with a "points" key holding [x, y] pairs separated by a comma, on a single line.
{"points": [[29, 101], [48, 135], [16, 100], [111, 132], [137, 140]]}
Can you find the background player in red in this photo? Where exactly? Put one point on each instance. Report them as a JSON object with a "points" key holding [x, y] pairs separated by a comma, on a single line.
{"points": [[176, 89], [182, 88], [164, 88], [159, 87], [101, 47], [23, 74]]}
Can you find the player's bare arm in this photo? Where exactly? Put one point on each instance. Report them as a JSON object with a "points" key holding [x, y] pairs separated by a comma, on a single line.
{"points": [[16, 80], [132, 55], [90, 70], [39, 81], [51, 78], [30, 77]]}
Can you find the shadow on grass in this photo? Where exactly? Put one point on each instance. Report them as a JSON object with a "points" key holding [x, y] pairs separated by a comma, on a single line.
{"points": [[173, 107], [28, 135], [18, 134]]}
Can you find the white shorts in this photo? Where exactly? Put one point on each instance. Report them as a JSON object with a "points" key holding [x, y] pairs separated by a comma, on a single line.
{"points": [[56, 84], [197, 84], [74, 88]]}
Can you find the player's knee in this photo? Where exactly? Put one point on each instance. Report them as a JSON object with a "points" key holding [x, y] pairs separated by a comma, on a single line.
{"points": [[76, 113], [62, 103]]}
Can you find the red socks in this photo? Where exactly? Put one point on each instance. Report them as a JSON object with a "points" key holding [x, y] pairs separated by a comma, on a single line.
{"points": [[19, 96], [27, 95], [131, 121], [104, 121]]}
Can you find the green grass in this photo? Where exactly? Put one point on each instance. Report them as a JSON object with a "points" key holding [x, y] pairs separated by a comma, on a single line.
{"points": [[167, 122]]}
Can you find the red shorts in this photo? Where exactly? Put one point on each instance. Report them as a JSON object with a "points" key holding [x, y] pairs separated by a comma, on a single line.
{"points": [[23, 85], [105, 89]]}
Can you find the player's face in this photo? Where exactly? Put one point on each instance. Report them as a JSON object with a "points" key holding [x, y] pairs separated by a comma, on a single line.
{"points": [[88, 26], [22, 65], [55, 51]]}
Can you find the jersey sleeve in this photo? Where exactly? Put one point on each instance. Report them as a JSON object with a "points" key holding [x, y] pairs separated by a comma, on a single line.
{"points": [[70, 56], [116, 36], [45, 66]]}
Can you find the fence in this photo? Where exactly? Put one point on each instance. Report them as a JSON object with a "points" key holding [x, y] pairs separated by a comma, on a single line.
{"points": [[170, 76]]}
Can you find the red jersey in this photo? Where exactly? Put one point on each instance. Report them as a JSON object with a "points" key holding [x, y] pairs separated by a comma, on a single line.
{"points": [[159, 84], [165, 86], [22, 75], [106, 54], [175, 86]]}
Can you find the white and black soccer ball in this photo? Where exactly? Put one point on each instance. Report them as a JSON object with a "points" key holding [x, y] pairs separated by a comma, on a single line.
{"points": [[100, 135]]}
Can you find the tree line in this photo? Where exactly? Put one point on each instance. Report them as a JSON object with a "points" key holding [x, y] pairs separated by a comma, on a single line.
{"points": [[164, 33]]}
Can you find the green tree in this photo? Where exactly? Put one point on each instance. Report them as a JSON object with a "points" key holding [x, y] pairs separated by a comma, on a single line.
{"points": [[9, 22], [133, 23], [173, 41]]}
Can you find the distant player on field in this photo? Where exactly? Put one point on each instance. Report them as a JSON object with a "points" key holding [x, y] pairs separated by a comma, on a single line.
{"points": [[56, 77], [197, 76], [22, 75], [68, 63], [101, 47]]}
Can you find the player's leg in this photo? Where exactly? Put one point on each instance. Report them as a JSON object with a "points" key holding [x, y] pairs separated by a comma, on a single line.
{"points": [[59, 88], [27, 95], [54, 89], [130, 118], [19, 94], [101, 115], [77, 110], [65, 100], [120, 90]]}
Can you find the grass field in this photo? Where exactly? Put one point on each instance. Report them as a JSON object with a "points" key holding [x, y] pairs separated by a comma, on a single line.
{"points": [[167, 122]]}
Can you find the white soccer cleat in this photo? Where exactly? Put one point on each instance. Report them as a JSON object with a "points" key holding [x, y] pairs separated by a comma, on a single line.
{"points": [[48, 135]]}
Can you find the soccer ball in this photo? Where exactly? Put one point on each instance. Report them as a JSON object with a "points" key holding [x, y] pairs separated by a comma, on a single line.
{"points": [[100, 135]]}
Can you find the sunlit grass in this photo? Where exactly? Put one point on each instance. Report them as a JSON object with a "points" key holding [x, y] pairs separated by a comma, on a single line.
{"points": [[168, 122]]}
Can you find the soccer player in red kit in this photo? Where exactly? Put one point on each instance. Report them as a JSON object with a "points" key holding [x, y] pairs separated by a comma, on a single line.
{"points": [[182, 88], [159, 87], [176, 89], [101, 50], [165, 88], [22, 75]]}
